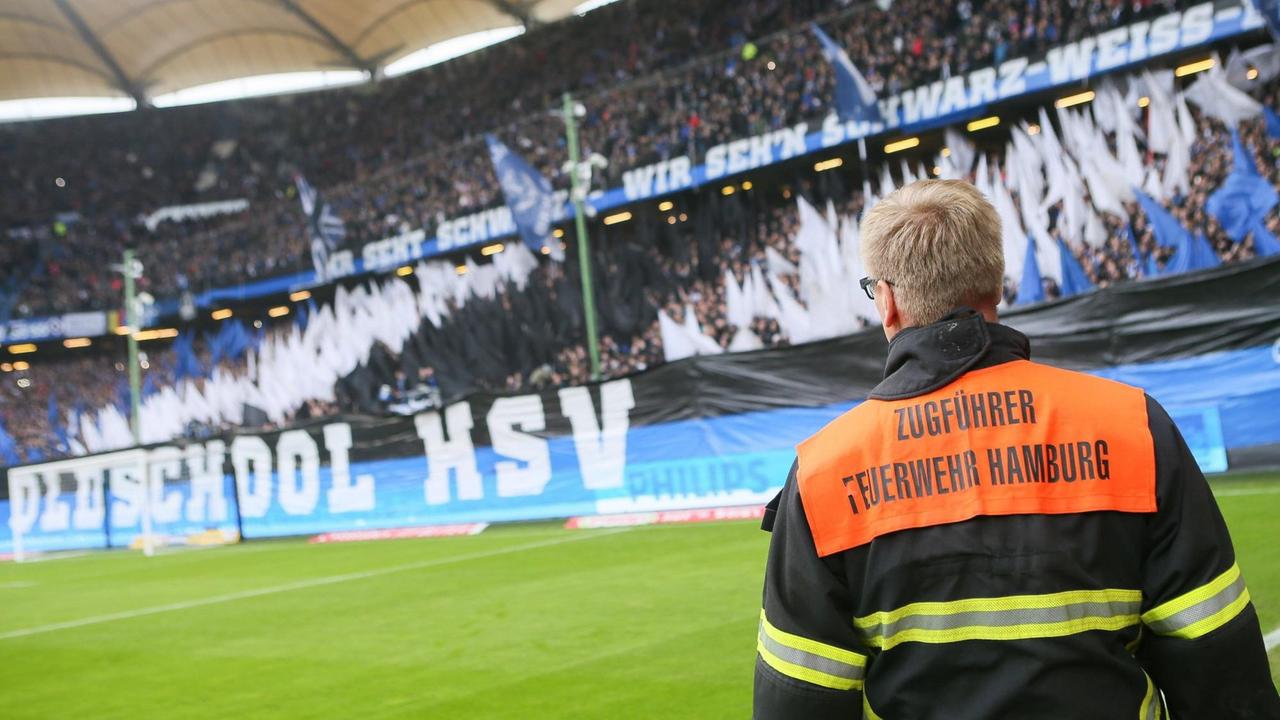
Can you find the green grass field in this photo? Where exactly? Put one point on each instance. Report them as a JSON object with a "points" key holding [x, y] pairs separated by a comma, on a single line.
{"points": [[519, 622]]}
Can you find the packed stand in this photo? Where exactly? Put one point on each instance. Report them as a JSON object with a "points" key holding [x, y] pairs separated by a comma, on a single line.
{"points": [[753, 270], [405, 153]]}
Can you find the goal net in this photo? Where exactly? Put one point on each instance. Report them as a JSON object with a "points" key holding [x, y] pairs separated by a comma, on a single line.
{"points": [[142, 499]]}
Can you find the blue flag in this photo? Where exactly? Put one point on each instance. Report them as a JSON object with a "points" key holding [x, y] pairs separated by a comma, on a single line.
{"points": [[55, 423], [305, 313], [1031, 287], [52, 410], [529, 197], [230, 343], [1198, 256], [1273, 123], [215, 352], [1146, 264], [1245, 197], [1150, 268], [1270, 12], [1202, 254], [186, 363], [855, 100], [8, 448], [122, 396], [1133, 241], [1074, 279], [1264, 243], [1190, 252]]}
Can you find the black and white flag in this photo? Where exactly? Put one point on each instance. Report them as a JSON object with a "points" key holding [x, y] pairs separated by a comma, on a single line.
{"points": [[324, 227]]}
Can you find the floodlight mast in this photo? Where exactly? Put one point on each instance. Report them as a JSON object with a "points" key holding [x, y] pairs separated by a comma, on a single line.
{"points": [[131, 268], [580, 184]]}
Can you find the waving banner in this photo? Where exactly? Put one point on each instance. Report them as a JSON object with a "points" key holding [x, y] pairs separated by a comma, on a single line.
{"points": [[530, 199], [705, 432]]}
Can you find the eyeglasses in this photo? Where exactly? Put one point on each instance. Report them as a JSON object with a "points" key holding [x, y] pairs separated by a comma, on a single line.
{"points": [[868, 285]]}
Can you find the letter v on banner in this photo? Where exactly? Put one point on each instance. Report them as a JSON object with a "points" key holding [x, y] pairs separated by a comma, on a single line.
{"points": [[601, 446]]}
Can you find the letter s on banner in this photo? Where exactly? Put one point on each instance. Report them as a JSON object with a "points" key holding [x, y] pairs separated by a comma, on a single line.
{"points": [[526, 413], [127, 488], [602, 453], [251, 459]]}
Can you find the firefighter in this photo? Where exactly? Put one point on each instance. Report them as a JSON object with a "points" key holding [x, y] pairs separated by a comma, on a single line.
{"points": [[987, 537]]}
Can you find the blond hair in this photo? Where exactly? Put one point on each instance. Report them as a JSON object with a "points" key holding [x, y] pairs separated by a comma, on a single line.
{"points": [[938, 243]]}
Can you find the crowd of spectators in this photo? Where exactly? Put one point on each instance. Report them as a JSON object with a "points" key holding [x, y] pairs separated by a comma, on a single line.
{"points": [[1211, 162], [28, 414], [532, 336], [659, 78]]}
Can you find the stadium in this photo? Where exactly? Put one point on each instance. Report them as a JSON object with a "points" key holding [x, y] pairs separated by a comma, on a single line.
{"points": [[440, 358]]}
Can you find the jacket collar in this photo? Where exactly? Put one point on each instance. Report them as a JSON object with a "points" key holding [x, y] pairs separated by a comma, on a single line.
{"points": [[923, 359]]}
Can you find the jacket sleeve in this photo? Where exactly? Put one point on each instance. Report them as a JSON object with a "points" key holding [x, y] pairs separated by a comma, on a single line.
{"points": [[809, 663], [1202, 644]]}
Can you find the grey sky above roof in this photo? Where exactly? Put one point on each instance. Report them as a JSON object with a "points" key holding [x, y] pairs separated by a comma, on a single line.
{"points": [[146, 48]]}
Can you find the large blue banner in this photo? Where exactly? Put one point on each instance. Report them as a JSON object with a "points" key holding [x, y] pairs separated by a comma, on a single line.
{"points": [[625, 446]]}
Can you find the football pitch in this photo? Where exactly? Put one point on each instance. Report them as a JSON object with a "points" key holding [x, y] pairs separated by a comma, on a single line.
{"points": [[523, 621]]}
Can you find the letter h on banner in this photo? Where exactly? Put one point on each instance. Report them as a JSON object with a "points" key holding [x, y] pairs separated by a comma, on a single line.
{"points": [[456, 453]]}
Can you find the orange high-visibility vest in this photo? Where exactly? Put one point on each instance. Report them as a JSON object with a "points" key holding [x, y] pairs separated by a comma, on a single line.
{"points": [[1016, 438]]}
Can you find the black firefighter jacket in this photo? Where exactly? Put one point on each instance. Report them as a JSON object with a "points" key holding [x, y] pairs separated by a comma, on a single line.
{"points": [[901, 599]]}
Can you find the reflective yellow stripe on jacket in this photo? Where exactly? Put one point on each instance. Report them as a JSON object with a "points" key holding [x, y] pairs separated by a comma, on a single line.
{"points": [[1202, 610], [1015, 617], [809, 660], [1151, 708]]}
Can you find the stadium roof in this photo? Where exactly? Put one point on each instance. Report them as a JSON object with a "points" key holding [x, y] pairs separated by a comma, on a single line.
{"points": [[139, 50]]}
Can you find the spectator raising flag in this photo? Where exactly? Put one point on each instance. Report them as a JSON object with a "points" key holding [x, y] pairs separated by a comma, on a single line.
{"points": [[855, 100], [529, 197], [325, 228], [1031, 286]]}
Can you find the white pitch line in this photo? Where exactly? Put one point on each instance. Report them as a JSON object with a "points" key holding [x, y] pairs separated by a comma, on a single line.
{"points": [[56, 555], [1272, 640], [1237, 492], [299, 585]]}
